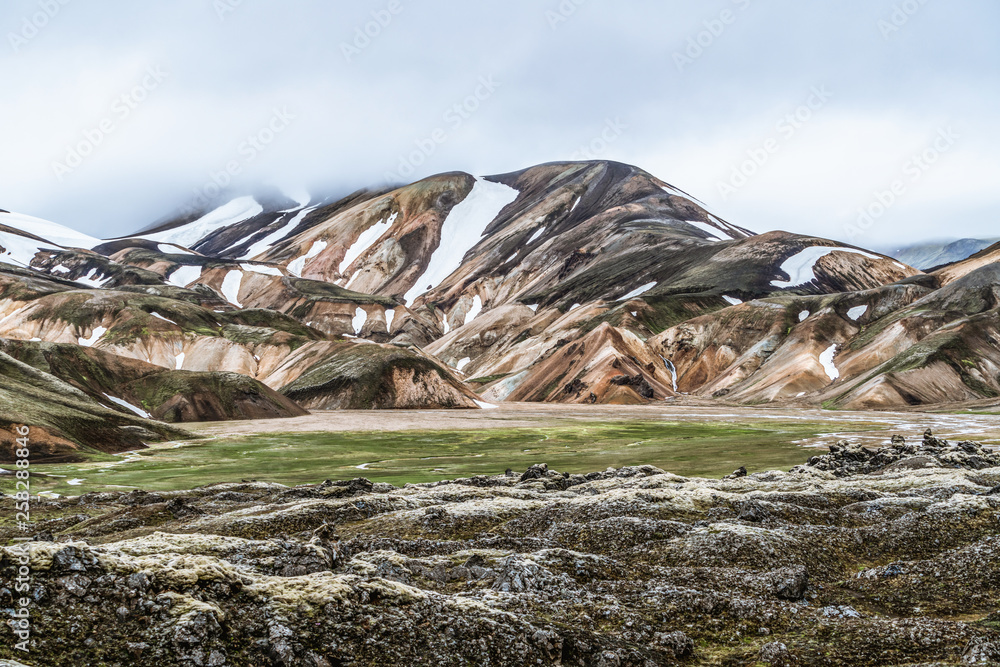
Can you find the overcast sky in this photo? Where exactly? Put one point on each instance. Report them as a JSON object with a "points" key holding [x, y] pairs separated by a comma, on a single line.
{"points": [[116, 112]]}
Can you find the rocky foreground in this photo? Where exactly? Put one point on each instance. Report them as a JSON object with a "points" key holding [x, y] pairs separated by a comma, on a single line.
{"points": [[860, 557]]}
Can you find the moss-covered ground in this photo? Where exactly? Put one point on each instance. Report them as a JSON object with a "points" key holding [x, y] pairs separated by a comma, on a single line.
{"points": [[685, 448]]}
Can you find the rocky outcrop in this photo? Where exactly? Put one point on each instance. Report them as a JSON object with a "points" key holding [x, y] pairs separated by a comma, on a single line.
{"points": [[846, 459], [859, 557]]}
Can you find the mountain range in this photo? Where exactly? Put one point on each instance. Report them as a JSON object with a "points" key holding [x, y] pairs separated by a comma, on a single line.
{"points": [[932, 254], [576, 282]]}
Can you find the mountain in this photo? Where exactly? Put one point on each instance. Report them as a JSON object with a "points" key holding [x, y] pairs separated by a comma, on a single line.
{"points": [[934, 254], [577, 282]]}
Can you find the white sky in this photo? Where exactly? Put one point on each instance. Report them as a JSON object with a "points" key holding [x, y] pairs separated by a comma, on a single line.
{"points": [[559, 85]]}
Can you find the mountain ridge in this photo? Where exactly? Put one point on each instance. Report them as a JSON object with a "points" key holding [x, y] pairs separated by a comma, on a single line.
{"points": [[566, 282]]}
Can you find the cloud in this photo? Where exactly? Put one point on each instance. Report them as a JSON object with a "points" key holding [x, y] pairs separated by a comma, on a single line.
{"points": [[363, 105]]}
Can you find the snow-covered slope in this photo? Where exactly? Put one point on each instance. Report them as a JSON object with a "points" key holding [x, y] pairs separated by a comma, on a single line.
{"points": [[50, 231], [463, 229], [28, 236], [231, 213]]}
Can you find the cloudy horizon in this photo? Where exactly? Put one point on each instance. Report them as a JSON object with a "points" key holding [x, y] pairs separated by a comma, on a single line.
{"points": [[866, 122]]}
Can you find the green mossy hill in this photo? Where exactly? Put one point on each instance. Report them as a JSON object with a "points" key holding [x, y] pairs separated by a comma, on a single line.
{"points": [[371, 377], [185, 396], [316, 290], [260, 318], [66, 423], [972, 294], [141, 255], [17, 284], [171, 396], [75, 265]]}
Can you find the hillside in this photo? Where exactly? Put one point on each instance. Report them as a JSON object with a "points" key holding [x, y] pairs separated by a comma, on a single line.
{"points": [[583, 282]]}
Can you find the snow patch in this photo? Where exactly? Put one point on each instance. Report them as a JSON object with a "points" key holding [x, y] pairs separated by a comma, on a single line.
{"points": [[826, 359], [534, 307], [172, 250], [231, 287], [127, 406], [804, 315], [462, 363], [639, 291], [298, 266], [707, 228], [390, 315], [266, 243], [462, 230], [359, 320], [576, 203], [477, 307], [537, 235], [184, 276], [800, 267], [857, 312], [486, 406], [91, 281], [299, 195], [265, 270], [179, 364], [94, 337], [161, 317], [50, 231], [573, 307], [367, 239], [75, 482], [20, 250], [235, 212], [732, 300]]}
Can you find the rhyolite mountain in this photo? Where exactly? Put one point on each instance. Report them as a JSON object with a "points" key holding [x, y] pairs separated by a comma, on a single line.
{"points": [[933, 254], [580, 282]]}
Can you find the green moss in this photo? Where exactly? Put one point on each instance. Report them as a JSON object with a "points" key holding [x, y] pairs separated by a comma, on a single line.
{"points": [[33, 397], [488, 379], [270, 319], [686, 448], [321, 291]]}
